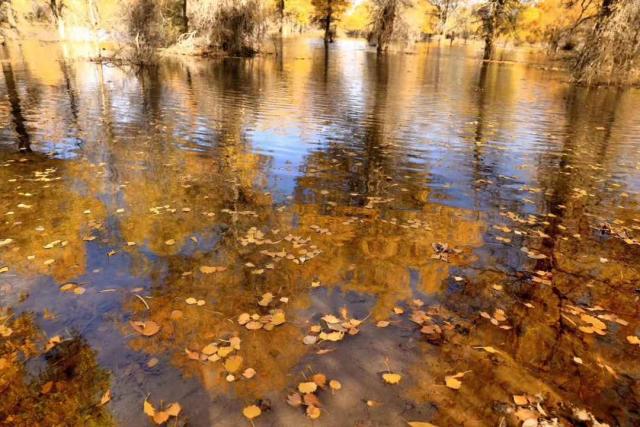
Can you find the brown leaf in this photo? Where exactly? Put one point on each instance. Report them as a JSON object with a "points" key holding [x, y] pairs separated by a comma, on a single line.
{"points": [[147, 328], [294, 399], [319, 379], [46, 387], [311, 399]]}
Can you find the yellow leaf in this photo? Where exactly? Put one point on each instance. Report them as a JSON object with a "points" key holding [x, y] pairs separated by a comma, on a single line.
{"points": [[233, 363], [148, 408], [174, 409], [633, 339], [520, 399], [452, 381], [210, 349], [391, 378], [225, 351], [333, 336], [205, 269], [278, 318], [319, 379], [308, 387], [235, 342], [106, 397], [335, 385], [313, 412], [160, 417], [253, 325], [244, 318], [330, 318], [251, 412], [420, 424]]}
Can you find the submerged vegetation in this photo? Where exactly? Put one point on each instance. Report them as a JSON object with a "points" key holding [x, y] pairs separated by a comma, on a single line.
{"points": [[598, 37]]}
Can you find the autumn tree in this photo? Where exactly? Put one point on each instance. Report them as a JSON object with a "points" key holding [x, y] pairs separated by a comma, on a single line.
{"points": [[612, 51], [383, 18], [442, 11], [495, 15], [280, 6], [326, 13], [57, 7]]}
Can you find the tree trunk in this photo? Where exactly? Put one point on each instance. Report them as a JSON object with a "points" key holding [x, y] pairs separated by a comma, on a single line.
{"points": [[185, 18], [24, 141], [281, 16], [495, 14], [327, 25], [56, 10]]}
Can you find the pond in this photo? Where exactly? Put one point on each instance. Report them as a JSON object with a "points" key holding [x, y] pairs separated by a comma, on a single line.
{"points": [[335, 238]]}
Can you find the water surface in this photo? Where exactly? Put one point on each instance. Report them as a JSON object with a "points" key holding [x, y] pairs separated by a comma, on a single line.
{"points": [[494, 206]]}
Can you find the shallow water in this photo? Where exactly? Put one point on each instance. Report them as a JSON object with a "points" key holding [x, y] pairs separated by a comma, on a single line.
{"points": [[494, 205]]}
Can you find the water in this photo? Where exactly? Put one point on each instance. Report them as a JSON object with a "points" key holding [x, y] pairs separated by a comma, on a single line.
{"points": [[383, 188]]}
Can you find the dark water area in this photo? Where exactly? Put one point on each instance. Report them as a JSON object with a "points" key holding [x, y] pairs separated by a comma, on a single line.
{"points": [[216, 232]]}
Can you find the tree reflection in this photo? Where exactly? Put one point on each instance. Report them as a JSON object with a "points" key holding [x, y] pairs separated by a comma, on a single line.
{"points": [[68, 385]]}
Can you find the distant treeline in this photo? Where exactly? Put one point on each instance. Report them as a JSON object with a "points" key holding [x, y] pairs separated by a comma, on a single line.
{"points": [[600, 37]]}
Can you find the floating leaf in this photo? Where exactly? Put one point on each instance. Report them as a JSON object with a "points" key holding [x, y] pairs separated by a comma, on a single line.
{"points": [[147, 328], [205, 269], [46, 387], [233, 363], [106, 397], [330, 318], [251, 412], [319, 379], [244, 318], [453, 381], [174, 409], [160, 417], [391, 378], [253, 325], [520, 399], [310, 339], [266, 299], [311, 399], [148, 408], [633, 339], [313, 412], [294, 399], [210, 349], [307, 387]]}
